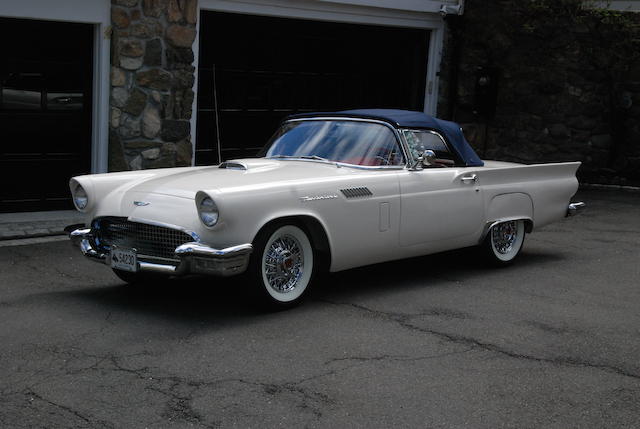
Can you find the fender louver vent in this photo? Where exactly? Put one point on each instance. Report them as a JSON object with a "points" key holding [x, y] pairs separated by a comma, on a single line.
{"points": [[356, 192]]}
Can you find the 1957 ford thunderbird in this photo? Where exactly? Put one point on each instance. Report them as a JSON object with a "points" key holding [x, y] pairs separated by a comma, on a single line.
{"points": [[329, 191]]}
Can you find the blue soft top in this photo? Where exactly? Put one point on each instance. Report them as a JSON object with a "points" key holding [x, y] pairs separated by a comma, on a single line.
{"points": [[409, 119]]}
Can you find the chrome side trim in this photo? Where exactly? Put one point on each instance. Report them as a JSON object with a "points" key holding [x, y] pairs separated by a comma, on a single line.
{"points": [[308, 198], [575, 208]]}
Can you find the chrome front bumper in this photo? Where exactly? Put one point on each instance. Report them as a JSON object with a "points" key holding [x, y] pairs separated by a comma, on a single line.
{"points": [[192, 258], [575, 208]]}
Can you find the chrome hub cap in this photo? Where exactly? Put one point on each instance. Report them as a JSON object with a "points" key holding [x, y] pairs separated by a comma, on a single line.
{"points": [[284, 263], [504, 235]]}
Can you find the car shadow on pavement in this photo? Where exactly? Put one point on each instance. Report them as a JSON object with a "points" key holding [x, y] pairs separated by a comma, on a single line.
{"points": [[422, 272], [226, 299]]}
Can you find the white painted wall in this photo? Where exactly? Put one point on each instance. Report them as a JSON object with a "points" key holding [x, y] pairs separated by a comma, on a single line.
{"points": [[98, 13]]}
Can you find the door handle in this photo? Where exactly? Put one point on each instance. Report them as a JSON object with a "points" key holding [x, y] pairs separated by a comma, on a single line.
{"points": [[471, 178]]}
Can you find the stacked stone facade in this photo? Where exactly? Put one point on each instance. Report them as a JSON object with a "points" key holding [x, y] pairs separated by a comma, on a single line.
{"points": [[568, 84], [152, 80]]}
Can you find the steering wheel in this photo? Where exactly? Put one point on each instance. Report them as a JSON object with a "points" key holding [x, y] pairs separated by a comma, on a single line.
{"points": [[383, 160]]}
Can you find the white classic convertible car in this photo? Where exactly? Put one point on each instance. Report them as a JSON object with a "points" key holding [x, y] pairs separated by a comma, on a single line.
{"points": [[329, 191]]}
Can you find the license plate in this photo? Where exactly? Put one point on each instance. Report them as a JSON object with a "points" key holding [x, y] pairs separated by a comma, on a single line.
{"points": [[124, 259]]}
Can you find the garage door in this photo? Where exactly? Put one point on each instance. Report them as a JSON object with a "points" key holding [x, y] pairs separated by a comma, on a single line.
{"points": [[45, 111], [254, 70]]}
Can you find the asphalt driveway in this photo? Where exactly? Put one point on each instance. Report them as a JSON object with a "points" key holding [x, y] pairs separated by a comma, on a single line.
{"points": [[438, 341]]}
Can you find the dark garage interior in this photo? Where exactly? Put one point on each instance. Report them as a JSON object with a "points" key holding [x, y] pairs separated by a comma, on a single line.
{"points": [[255, 70], [45, 111]]}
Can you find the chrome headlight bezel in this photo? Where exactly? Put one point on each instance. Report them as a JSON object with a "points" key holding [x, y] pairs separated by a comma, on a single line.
{"points": [[80, 198], [208, 211]]}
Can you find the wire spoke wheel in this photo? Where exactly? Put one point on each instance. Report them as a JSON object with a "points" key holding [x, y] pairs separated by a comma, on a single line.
{"points": [[285, 265], [504, 236], [504, 241]]}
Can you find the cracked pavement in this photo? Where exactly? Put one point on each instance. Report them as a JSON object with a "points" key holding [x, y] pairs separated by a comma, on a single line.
{"points": [[439, 341]]}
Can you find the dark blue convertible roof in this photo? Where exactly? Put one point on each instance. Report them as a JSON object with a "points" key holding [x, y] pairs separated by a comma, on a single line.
{"points": [[409, 119]]}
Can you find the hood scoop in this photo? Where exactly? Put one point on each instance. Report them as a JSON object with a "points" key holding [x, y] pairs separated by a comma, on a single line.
{"points": [[251, 164], [233, 165]]}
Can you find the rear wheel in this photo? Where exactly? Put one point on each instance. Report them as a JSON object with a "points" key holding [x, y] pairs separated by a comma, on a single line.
{"points": [[504, 242], [282, 265]]}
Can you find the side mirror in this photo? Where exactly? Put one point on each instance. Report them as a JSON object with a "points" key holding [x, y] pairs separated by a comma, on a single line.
{"points": [[428, 157], [425, 158]]}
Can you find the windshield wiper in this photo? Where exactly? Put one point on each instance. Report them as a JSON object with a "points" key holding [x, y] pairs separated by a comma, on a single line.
{"points": [[319, 158], [316, 157]]}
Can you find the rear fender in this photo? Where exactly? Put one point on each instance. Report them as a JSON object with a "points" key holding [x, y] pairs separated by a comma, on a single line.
{"points": [[506, 207]]}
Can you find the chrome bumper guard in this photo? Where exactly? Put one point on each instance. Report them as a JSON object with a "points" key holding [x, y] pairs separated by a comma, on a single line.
{"points": [[194, 258], [575, 208]]}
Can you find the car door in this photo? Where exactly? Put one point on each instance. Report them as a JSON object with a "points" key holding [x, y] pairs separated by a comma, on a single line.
{"points": [[441, 205]]}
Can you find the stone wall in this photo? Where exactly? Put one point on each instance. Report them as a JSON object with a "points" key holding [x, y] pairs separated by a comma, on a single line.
{"points": [[151, 83], [568, 84]]}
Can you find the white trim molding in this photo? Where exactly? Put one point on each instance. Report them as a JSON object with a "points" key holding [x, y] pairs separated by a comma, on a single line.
{"points": [[98, 13], [388, 12]]}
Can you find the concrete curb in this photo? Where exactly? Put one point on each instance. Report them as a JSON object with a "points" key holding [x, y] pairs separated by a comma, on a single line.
{"points": [[16, 226]]}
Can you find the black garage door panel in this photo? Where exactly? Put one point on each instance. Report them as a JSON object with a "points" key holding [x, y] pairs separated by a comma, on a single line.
{"points": [[45, 111], [266, 68]]}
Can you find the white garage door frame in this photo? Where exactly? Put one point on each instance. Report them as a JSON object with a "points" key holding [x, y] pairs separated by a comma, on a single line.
{"points": [[97, 13], [421, 14]]}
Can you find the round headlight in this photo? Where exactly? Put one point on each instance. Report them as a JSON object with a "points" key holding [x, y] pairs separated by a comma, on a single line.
{"points": [[80, 198], [208, 212]]}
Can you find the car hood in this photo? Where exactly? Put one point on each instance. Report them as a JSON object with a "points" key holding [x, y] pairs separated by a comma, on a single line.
{"points": [[235, 175], [167, 195]]}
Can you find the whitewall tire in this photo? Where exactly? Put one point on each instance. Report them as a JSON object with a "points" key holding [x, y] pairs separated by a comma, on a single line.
{"points": [[504, 241], [283, 264]]}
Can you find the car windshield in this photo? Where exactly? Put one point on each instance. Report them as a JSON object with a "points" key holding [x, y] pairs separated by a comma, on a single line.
{"points": [[350, 142]]}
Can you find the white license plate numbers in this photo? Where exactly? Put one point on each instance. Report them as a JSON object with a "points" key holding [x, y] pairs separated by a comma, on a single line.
{"points": [[124, 259]]}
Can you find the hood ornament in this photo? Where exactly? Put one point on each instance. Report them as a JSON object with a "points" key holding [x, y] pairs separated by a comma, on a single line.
{"points": [[140, 203]]}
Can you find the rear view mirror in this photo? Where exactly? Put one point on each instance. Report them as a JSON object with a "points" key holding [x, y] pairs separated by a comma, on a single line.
{"points": [[428, 158], [425, 158]]}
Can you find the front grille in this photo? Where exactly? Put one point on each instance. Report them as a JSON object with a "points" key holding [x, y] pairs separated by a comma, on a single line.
{"points": [[149, 240]]}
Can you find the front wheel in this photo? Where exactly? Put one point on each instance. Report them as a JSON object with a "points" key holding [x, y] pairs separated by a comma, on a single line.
{"points": [[283, 264], [504, 242]]}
